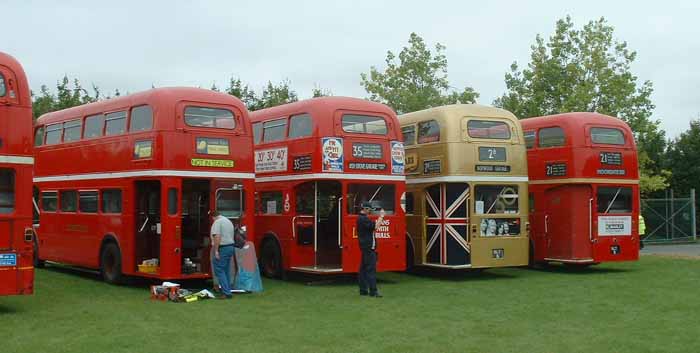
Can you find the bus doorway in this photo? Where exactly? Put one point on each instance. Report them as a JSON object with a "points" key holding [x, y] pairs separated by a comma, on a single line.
{"points": [[148, 226], [195, 226], [320, 201]]}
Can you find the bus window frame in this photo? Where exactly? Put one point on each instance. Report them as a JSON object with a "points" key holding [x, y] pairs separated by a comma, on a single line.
{"points": [[125, 111], [289, 126], [285, 135], [340, 132], [589, 137], [59, 127], [70, 122], [41, 200], [566, 142], [180, 107], [415, 135]]}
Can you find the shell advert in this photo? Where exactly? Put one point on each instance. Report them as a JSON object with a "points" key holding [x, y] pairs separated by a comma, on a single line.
{"points": [[332, 148]]}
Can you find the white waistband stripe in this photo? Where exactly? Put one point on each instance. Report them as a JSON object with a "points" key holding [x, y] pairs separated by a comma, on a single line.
{"points": [[338, 176], [146, 173], [465, 178], [16, 159]]}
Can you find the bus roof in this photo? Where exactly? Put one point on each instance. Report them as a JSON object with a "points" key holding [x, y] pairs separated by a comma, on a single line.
{"points": [[11, 63], [449, 116], [574, 124], [320, 106], [155, 96]]}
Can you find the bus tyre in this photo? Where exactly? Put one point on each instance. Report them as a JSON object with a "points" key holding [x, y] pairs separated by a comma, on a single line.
{"points": [[37, 262], [271, 259], [111, 263]]}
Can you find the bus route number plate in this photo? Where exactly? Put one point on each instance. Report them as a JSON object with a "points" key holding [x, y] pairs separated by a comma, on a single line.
{"points": [[498, 253], [8, 259]]}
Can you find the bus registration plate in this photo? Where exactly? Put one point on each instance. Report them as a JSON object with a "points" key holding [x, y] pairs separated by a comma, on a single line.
{"points": [[8, 259], [498, 253]]}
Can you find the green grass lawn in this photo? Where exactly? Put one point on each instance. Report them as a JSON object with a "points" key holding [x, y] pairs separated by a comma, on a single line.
{"points": [[646, 306]]}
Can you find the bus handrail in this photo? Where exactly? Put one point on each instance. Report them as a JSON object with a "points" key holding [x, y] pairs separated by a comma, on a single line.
{"points": [[590, 219], [340, 217], [294, 228], [144, 225]]}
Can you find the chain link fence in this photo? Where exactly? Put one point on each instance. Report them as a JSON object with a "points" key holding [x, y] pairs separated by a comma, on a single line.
{"points": [[669, 219]]}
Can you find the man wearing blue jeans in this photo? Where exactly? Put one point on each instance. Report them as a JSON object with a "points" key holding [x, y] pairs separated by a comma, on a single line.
{"points": [[222, 233]]}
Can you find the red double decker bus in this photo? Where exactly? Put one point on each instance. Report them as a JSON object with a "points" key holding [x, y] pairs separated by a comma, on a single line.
{"points": [[127, 185], [316, 162], [584, 189], [16, 161]]}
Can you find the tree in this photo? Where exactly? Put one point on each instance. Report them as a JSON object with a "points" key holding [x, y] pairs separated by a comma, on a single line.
{"points": [[587, 70], [65, 97], [417, 81], [274, 95], [683, 159], [320, 92], [237, 89]]}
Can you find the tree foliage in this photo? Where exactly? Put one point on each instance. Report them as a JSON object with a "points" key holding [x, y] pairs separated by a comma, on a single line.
{"points": [[271, 95], [683, 159], [588, 70], [66, 96], [320, 92], [418, 80]]}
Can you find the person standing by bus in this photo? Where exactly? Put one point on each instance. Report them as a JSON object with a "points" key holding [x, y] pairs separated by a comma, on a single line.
{"points": [[222, 231], [367, 276]]}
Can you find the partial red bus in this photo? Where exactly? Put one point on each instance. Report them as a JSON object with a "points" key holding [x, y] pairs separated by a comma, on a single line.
{"points": [[584, 189], [127, 185], [316, 162], [16, 239]]}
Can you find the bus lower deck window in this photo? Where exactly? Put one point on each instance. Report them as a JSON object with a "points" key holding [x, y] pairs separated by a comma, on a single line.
{"points": [[271, 202], [7, 191], [68, 200], [230, 203], [614, 199], [491, 199], [88, 201], [49, 201], [378, 195], [112, 201]]}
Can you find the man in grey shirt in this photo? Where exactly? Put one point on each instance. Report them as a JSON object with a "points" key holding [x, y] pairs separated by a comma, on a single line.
{"points": [[222, 232]]}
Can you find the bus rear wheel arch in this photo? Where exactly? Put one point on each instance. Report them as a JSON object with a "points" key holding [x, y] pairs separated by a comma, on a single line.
{"points": [[111, 262], [271, 258]]}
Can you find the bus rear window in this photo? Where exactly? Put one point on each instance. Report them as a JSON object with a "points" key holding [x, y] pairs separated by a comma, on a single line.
{"points": [[141, 118], [3, 90], [614, 200], [552, 137], [409, 135], [484, 129], [428, 131], [209, 117], [7, 191], [378, 195], [364, 124], [529, 139], [607, 136]]}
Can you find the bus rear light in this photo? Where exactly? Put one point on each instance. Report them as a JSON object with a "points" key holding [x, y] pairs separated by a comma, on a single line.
{"points": [[28, 235]]}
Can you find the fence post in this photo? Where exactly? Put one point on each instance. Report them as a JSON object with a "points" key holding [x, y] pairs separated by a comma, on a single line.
{"points": [[692, 214], [666, 217], [673, 219]]}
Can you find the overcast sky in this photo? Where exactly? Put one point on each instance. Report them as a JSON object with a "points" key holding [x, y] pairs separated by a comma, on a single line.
{"points": [[131, 45]]}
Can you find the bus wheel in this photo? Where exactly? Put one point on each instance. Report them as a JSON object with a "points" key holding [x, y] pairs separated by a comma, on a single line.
{"points": [[271, 259], [111, 263], [37, 263]]}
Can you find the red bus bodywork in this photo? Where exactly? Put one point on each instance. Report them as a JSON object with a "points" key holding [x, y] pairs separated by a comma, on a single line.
{"points": [[584, 189], [16, 240], [155, 183], [314, 167]]}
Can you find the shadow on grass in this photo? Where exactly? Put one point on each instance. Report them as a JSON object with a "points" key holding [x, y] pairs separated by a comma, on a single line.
{"points": [[10, 310], [458, 275], [576, 269]]}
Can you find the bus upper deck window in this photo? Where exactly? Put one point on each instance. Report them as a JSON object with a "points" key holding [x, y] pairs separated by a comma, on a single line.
{"points": [[607, 136], [115, 123], [7, 191], [428, 131], [141, 118], [53, 133], [409, 135], [274, 130], [3, 89], [39, 136], [257, 133], [486, 129], [529, 139], [300, 126], [552, 137], [72, 130], [614, 199], [94, 125], [210, 117], [364, 124]]}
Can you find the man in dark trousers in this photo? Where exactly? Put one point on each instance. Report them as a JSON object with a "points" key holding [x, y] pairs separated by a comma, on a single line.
{"points": [[367, 276]]}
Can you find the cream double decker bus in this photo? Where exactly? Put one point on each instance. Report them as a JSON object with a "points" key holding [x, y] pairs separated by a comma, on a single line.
{"points": [[466, 187]]}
